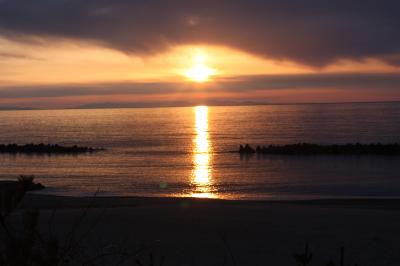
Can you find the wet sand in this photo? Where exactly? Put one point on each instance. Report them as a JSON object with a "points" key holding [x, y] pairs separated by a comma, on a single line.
{"points": [[220, 232]]}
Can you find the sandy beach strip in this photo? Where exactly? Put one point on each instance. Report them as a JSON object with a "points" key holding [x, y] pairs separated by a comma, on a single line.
{"points": [[220, 232]]}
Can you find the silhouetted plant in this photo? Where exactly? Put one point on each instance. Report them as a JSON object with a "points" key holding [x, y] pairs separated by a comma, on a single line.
{"points": [[26, 247], [341, 259], [29, 247], [151, 261], [26, 180], [303, 259]]}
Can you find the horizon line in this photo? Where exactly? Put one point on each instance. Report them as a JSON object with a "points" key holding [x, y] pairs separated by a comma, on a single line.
{"points": [[88, 107]]}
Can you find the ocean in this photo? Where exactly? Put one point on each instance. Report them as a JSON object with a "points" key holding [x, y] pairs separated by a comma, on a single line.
{"points": [[190, 151]]}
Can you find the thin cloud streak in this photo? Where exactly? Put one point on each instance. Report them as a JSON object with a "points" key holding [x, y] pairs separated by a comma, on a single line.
{"points": [[249, 84]]}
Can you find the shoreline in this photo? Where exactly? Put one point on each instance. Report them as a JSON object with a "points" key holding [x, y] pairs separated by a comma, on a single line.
{"points": [[47, 201], [191, 105]]}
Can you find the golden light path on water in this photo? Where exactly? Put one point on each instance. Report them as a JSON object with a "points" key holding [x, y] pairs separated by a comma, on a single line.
{"points": [[201, 178]]}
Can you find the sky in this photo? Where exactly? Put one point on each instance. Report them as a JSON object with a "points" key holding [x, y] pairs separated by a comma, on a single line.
{"points": [[99, 53]]}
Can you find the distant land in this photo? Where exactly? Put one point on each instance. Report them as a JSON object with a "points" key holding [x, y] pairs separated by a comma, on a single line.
{"points": [[112, 105], [116, 105], [11, 108], [168, 104]]}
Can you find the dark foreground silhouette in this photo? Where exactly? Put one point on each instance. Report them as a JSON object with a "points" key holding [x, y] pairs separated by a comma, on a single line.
{"points": [[45, 149], [23, 180], [311, 149], [39, 237]]}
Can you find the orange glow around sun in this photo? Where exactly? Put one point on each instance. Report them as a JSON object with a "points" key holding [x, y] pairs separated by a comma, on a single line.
{"points": [[199, 71]]}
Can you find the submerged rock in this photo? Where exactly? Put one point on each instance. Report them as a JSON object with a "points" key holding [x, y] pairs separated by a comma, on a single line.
{"points": [[247, 149], [45, 149], [336, 149]]}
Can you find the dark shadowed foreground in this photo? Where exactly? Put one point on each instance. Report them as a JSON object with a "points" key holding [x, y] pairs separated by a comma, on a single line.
{"points": [[216, 232]]}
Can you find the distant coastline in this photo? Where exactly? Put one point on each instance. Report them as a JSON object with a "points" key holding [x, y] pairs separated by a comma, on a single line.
{"points": [[111, 105], [16, 108]]}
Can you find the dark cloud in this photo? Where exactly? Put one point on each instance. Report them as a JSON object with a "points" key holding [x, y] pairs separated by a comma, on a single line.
{"points": [[8, 55], [313, 32], [248, 84]]}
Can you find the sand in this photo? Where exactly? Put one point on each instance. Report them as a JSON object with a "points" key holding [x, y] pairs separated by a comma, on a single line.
{"points": [[220, 232]]}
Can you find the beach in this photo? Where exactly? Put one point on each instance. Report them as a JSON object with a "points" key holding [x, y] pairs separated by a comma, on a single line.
{"points": [[189, 231]]}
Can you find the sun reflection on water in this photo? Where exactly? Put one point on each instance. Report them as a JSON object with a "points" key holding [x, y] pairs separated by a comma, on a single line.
{"points": [[201, 176]]}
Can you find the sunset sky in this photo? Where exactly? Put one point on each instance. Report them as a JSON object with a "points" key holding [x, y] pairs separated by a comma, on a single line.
{"points": [[71, 53]]}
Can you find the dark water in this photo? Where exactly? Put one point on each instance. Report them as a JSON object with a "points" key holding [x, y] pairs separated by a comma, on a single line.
{"points": [[185, 151]]}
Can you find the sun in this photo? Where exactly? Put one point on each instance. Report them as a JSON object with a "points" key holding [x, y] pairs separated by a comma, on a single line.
{"points": [[199, 71]]}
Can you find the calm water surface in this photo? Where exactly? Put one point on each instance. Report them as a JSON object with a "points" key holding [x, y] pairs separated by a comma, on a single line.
{"points": [[187, 151]]}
